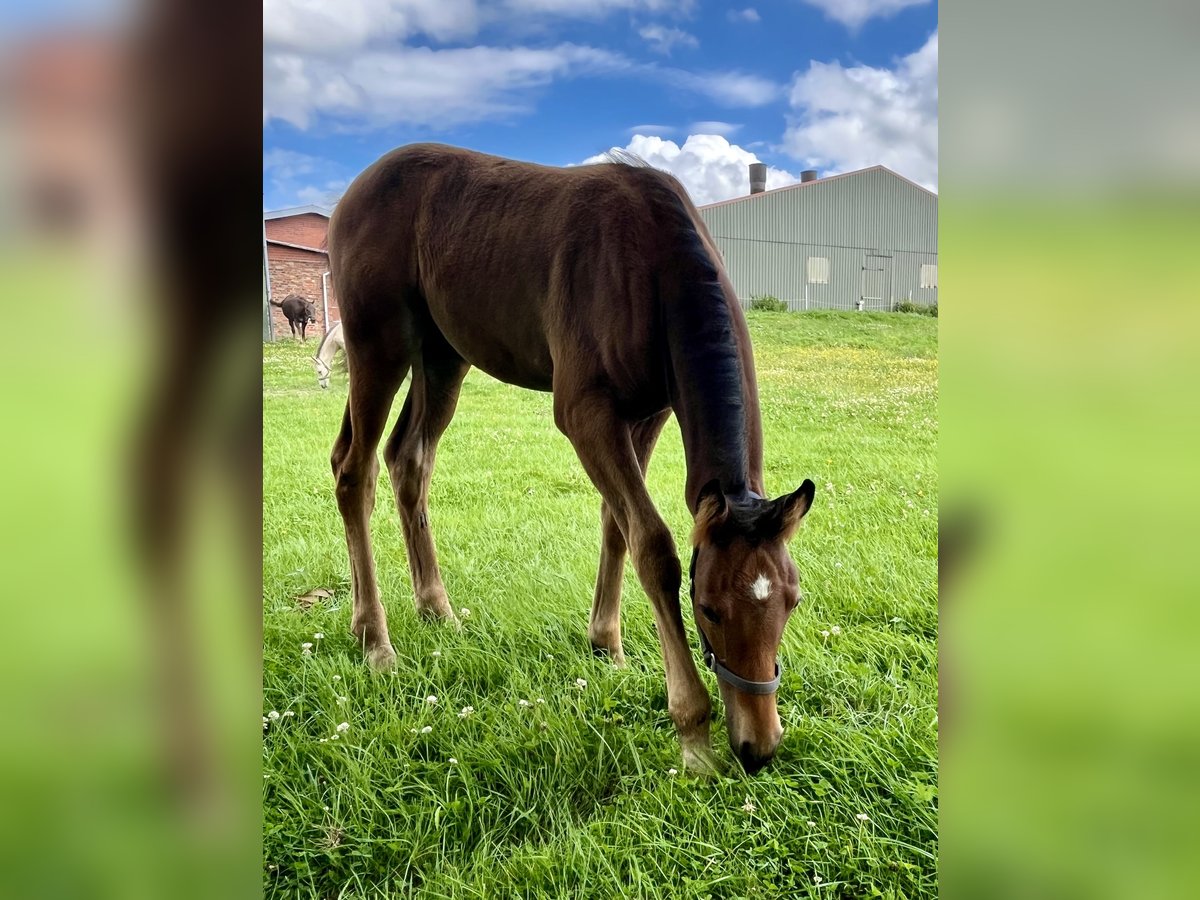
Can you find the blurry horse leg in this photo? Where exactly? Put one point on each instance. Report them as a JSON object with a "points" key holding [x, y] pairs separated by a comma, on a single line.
{"points": [[604, 627], [410, 455], [374, 379], [604, 444]]}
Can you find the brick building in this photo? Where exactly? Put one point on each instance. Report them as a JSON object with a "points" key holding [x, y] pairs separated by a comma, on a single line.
{"points": [[298, 263]]}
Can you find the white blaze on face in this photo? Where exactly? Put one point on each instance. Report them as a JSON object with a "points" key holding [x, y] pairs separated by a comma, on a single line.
{"points": [[761, 587]]}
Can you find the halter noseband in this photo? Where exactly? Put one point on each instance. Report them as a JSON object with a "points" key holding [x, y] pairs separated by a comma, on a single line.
{"points": [[735, 681]]}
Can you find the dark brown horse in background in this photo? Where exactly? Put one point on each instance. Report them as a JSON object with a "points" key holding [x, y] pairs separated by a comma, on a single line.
{"points": [[300, 313], [601, 284]]}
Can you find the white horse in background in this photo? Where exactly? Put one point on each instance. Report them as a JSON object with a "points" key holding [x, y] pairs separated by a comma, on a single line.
{"points": [[330, 345]]}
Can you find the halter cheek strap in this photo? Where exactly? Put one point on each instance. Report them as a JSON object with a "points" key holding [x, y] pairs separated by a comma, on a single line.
{"points": [[731, 678]]}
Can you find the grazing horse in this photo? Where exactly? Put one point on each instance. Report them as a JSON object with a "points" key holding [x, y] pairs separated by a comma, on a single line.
{"points": [[600, 284], [300, 313], [323, 361]]}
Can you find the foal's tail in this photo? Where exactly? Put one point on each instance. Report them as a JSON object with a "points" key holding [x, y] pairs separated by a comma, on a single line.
{"points": [[274, 303]]}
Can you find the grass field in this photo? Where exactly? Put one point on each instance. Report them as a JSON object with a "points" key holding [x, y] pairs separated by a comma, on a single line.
{"points": [[574, 795]]}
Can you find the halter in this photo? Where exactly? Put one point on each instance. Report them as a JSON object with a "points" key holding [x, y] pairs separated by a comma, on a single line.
{"points": [[735, 681]]}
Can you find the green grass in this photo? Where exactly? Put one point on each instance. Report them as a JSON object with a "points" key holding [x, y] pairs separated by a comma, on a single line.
{"points": [[573, 797]]}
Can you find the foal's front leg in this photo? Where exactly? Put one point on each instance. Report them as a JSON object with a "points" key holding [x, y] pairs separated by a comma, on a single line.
{"points": [[604, 626], [605, 447]]}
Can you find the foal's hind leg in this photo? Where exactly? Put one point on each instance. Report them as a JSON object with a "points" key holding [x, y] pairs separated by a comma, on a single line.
{"points": [[604, 628], [409, 456], [374, 381]]}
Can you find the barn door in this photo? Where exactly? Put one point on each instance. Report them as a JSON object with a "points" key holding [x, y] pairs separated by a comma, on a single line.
{"points": [[877, 282]]}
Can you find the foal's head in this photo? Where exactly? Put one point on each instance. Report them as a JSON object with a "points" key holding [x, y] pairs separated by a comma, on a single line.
{"points": [[744, 587]]}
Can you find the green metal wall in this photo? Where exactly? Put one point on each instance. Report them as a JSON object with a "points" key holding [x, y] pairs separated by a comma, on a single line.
{"points": [[871, 220]]}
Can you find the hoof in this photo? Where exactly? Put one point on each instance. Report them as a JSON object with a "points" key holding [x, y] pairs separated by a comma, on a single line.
{"points": [[699, 759], [382, 659], [435, 607], [439, 614], [617, 657]]}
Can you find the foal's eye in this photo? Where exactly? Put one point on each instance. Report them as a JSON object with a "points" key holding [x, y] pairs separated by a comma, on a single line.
{"points": [[710, 615]]}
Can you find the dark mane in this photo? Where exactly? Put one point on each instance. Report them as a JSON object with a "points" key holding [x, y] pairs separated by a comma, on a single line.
{"points": [[707, 384]]}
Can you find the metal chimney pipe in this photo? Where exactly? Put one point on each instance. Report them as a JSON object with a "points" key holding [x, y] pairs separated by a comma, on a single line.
{"points": [[808, 175], [758, 177]]}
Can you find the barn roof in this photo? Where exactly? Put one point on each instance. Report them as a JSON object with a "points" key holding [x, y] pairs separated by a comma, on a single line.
{"points": [[826, 180], [297, 211], [297, 246]]}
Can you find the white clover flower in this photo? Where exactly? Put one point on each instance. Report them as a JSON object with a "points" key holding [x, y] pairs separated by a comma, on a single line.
{"points": [[824, 634], [324, 740], [748, 807], [466, 711], [540, 700], [838, 564], [320, 635], [437, 654], [413, 730], [307, 645], [835, 629], [431, 700], [580, 683], [337, 677], [427, 729], [863, 817], [453, 761], [672, 771], [266, 723], [343, 727], [523, 702], [816, 879], [287, 713], [272, 715], [335, 736], [342, 699], [465, 613]]}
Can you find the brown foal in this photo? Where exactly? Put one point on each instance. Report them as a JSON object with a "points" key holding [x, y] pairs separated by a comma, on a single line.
{"points": [[602, 285]]}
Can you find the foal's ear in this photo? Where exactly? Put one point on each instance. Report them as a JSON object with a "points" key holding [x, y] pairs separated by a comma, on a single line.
{"points": [[793, 508], [712, 509]]}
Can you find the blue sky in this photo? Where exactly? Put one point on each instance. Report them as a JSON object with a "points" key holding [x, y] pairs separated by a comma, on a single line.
{"points": [[698, 88]]}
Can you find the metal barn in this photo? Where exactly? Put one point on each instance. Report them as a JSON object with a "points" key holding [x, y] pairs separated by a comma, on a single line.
{"points": [[862, 240]]}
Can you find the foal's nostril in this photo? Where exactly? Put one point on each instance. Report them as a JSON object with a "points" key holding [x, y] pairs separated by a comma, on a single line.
{"points": [[751, 760]]}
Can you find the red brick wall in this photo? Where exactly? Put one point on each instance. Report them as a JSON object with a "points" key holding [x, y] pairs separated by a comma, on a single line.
{"points": [[298, 272], [308, 230]]}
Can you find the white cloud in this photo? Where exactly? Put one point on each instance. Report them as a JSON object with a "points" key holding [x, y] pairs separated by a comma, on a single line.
{"points": [[418, 85], [726, 88], [595, 9], [709, 166], [853, 13], [749, 14], [661, 38], [329, 29], [851, 118], [651, 129], [725, 129], [291, 178], [348, 62]]}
